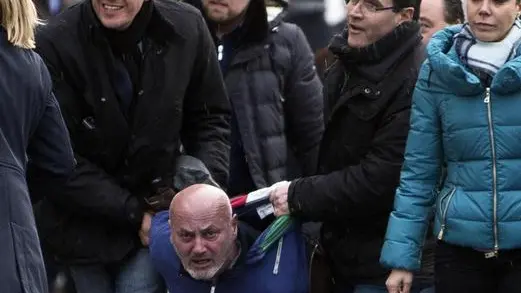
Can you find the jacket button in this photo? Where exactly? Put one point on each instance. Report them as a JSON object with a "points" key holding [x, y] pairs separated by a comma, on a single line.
{"points": [[367, 90], [141, 92], [377, 93], [103, 99]]}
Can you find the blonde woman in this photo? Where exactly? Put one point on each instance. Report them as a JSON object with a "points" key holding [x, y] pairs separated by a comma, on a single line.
{"points": [[32, 136]]}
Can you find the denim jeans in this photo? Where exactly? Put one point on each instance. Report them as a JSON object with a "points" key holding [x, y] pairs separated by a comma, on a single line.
{"points": [[134, 275]]}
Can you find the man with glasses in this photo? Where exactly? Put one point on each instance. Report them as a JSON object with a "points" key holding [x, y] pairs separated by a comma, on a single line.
{"points": [[368, 89]]}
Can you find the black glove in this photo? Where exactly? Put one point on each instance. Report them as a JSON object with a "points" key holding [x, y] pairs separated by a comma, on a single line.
{"points": [[160, 200]]}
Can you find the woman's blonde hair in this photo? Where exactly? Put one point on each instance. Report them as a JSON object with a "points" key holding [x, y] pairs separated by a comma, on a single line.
{"points": [[19, 18]]}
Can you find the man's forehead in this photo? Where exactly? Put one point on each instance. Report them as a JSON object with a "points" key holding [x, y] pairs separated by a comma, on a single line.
{"points": [[432, 4], [196, 227], [196, 222]]}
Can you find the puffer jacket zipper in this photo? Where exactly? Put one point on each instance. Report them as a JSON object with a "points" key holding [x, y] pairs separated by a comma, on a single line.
{"points": [[279, 255], [444, 212], [488, 101]]}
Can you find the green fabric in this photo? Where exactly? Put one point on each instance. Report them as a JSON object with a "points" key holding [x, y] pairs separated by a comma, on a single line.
{"points": [[275, 231]]}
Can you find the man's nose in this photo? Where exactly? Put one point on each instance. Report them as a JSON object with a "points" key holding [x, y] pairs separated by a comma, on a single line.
{"points": [[354, 10], [199, 246]]}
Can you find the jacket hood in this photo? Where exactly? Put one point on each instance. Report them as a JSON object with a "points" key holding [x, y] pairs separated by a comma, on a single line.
{"points": [[454, 76]]}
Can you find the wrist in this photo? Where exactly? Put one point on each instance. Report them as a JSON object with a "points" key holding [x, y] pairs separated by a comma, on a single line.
{"points": [[294, 205], [134, 212]]}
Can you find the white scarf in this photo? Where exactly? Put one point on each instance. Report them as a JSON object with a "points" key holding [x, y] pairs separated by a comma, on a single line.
{"points": [[488, 57]]}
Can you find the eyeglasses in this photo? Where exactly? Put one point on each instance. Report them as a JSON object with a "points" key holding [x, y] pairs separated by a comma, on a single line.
{"points": [[367, 6]]}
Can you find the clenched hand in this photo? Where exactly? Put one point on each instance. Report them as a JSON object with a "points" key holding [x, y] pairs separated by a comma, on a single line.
{"points": [[279, 198], [399, 281], [145, 229]]}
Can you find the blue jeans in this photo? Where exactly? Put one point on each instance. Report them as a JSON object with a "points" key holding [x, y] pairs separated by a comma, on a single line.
{"points": [[379, 289], [134, 275]]}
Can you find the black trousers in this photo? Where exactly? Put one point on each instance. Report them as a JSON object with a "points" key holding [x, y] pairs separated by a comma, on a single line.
{"points": [[465, 270]]}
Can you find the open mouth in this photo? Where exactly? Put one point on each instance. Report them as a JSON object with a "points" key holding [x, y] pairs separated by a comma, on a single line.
{"points": [[111, 7], [201, 262], [355, 29]]}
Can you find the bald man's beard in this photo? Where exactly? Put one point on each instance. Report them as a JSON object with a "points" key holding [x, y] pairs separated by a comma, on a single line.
{"points": [[222, 260]]}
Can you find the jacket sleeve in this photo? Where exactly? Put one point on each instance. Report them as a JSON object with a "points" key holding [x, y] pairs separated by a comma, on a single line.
{"points": [[206, 115], [357, 191], [49, 147], [49, 150], [304, 104], [89, 190], [416, 194]]}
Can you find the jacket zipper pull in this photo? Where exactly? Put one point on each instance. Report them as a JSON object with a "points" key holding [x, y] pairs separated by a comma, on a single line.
{"points": [[487, 96], [277, 258], [220, 52], [440, 235], [212, 290]]}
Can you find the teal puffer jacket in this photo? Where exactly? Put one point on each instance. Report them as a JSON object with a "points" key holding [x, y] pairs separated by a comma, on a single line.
{"points": [[476, 132]]}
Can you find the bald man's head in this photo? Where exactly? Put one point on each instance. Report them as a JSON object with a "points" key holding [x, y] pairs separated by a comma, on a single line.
{"points": [[201, 199], [203, 230]]}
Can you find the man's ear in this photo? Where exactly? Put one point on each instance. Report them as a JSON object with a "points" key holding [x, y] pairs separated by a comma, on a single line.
{"points": [[404, 15], [235, 224]]}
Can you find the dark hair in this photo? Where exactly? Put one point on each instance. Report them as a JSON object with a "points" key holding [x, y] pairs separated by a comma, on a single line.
{"points": [[400, 4], [454, 11]]}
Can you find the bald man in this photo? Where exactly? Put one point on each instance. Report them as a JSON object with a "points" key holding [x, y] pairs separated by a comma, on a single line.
{"points": [[199, 245]]}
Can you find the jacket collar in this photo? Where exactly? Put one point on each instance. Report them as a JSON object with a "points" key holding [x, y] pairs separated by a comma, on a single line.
{"points": [[377, 82], [454, 76], [161, 28]]}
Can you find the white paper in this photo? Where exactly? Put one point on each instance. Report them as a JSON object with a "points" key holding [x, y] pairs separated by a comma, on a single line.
{"points": [[265, 210]]}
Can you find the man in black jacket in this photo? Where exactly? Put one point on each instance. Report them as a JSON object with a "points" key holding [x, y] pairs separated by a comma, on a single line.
{"points": [[368, 91], [274, 90], [135, 79]]}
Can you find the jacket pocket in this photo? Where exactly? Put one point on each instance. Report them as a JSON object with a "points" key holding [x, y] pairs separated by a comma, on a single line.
{"points": [[29, 260], [443, 205]]}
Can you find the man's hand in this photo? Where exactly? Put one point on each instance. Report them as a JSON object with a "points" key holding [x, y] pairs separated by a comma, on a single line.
{"points": [[399, 281], [145, 229], [279, 198], [160, 201]]}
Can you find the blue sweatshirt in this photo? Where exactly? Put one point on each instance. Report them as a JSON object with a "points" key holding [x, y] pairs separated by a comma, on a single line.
{"points": [[283, 269]]}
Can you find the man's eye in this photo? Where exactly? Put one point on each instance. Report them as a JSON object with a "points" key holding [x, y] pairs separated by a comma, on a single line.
{"points": [[370, 6], [210, 234], [185, 236]]}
